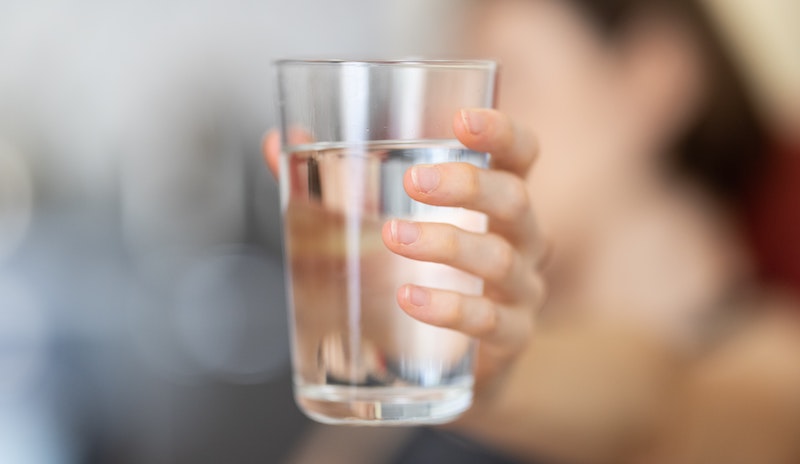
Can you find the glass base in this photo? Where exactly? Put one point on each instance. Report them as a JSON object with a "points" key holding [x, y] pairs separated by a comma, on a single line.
{"points": [[391, 406]]}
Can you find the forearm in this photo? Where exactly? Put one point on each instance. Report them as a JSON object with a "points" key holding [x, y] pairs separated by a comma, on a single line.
{"points": [[588, 394], [608, 395], [741, 404]]}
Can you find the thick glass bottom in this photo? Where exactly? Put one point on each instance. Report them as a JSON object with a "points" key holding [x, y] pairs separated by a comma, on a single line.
{"points": [[391, 406]]}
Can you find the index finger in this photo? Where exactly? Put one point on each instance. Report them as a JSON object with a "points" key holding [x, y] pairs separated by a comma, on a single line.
{"points": [[271, 146], [271, 149], [513, 147]]}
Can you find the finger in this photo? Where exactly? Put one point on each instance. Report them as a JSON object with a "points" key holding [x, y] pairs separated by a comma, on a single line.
{"points": [[475, 316], [513, 147], [502, 196], [271, 145], [489, 256], [271, 149]]}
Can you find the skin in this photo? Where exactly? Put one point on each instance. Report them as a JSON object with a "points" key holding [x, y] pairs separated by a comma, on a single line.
{"points": [[622, 394], [606, 363], [507, 258]]}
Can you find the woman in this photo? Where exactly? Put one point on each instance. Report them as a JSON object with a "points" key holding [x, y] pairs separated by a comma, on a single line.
{"points": [[655, 344]]}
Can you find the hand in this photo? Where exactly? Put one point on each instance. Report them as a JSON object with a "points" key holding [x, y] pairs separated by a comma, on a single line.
{"points": [[508, 258]]}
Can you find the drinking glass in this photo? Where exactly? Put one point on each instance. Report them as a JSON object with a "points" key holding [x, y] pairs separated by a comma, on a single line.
{"points": [[350, 130]]}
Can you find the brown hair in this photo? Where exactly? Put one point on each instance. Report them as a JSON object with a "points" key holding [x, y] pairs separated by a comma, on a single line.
{"points": [[725, 146]]}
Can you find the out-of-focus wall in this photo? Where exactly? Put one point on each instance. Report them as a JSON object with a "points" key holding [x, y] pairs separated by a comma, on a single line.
{"points": [[142, 309]]}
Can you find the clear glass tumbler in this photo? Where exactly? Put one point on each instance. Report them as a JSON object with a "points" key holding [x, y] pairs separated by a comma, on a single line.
{"points": [[350, 129]]}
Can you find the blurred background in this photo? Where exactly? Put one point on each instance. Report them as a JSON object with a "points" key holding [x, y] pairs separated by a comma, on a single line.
{"points": [[142, 312]]}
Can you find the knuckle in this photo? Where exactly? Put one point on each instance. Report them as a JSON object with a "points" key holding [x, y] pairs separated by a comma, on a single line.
{"points": [[542, 293], [470, 183], [525, 147], [521, 334], [525, 137], [505, 257], [536, 292], [487, 321], [544, 253], [462, 185], [526, 326], [455, 315], [503, 129], [450, 244], [517, 202], [530, 144]]}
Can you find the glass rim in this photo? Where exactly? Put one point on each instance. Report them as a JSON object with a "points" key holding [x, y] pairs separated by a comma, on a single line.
{"points": [[477, 64]]}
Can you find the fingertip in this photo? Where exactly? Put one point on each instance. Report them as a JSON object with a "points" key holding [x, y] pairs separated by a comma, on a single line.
{"points": [[386, 233], [415, 301], [402, 296], [476, 127], [271, 148], [513, 147], [270, 141], [403, 300], [459, 126]]}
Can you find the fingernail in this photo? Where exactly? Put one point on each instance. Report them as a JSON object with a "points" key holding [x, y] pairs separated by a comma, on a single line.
{"points": [[404, 232], [417, 296], [425, 178], [474, 121]]}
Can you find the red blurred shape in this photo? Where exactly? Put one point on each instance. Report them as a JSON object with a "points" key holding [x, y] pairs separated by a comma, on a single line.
{"points": [[774, 220]]}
